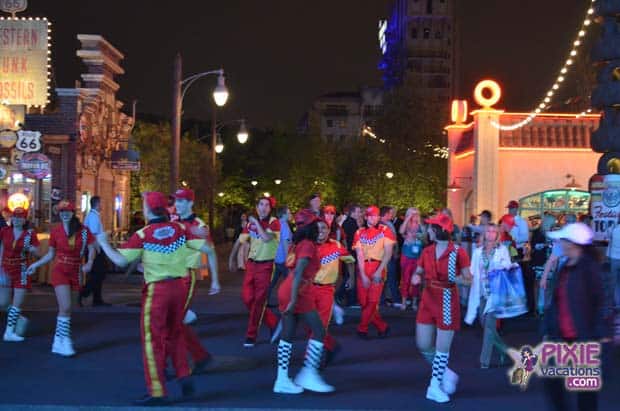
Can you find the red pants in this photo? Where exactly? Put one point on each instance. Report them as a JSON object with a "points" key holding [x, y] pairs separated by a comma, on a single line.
{"points": [[161, 323], [254, 295], [369, 299], [324, 301], [440, 307], [407, 268], [14, 272], [192, 342], [65, 274]]}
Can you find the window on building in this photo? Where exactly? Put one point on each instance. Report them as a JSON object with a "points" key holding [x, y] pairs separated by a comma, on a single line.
{"points": [[414, 33], [438, 34], [341, 123], [427, 33], [329, 138], [343, 137], [429, 6], [330, 123]]}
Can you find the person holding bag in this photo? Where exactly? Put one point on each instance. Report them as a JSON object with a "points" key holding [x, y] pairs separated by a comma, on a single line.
{"points": [[489, 257]]}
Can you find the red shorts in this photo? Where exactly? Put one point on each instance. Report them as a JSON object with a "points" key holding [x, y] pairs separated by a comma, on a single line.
{"points": [[305, 295], [63, 274], [15, 276], [440, 307]]}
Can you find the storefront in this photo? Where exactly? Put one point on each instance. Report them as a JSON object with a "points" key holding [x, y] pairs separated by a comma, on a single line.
{"points": [[544, 163]]}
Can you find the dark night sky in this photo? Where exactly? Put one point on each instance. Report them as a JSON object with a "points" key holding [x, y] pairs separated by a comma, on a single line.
{"points": [[280, 54]]}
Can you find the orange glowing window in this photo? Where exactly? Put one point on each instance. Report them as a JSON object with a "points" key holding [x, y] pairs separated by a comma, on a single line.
{"points": [[459, 111]]}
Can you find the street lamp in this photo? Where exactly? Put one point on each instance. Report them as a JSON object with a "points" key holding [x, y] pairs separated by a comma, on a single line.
{"points": [[219, 145], [278, 181], [254, 183], [180, 87], [454, 187], [220, 194], [242, 135], [573, 185], [267, 194], [389, 174]]}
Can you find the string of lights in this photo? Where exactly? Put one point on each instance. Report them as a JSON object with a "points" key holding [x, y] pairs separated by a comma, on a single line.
{"points": [[545, 103], [438, 151]]}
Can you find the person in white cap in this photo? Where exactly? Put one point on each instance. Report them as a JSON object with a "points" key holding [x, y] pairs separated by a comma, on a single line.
{"points": [[575, 312]]}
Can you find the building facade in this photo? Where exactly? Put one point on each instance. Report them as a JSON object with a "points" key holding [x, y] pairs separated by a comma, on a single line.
{"points": [[545, 165], [340, 118], [419, 46], [81, 132]]}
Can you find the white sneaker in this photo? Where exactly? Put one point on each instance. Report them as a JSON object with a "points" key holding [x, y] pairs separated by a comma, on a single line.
{"points": [[21, 326], [63, 346], [190, 317], [275, 335], [311, 380], [435, 393], [450, 381], [286, 386], [338, 314], [11, 336]]}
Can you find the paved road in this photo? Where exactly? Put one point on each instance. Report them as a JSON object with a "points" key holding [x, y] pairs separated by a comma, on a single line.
{"points": [[377, 374]]}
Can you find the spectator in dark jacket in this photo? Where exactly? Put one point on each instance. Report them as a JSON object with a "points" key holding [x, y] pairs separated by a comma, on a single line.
{"points": [[576, 309]]}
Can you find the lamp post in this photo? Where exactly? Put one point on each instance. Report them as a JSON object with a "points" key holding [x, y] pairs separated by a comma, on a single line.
{"points": [[179, 89]]}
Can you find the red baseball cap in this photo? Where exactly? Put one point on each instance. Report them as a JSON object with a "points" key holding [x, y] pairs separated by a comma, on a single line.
{"points": [[508, 220], [331, 209], [154, 199], [185, 194], [442, 220], [513, 204], [372, 211], [305, 217], [65, 205], [20, 212]]}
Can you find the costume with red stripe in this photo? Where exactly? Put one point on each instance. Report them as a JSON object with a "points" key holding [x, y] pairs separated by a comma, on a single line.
{"points": [[330, 254], [258, 273], [70, 251], [14, 259], [372, 241], [305, 294], [164, 248], [440, 298]]}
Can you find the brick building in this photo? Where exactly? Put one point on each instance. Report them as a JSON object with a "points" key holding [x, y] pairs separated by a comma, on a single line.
{"points": [[82, 131]]}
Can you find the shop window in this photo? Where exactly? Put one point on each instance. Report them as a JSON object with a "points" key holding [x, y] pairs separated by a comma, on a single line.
{"points": [[427, 34], [429, 6], [330, 123], [414, 33], [438, 35]]}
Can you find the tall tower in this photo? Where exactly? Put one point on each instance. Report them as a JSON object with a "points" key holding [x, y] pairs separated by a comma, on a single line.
{"points": [[420, 47]]}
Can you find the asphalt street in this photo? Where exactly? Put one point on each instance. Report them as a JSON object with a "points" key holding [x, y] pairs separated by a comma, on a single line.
{"points": [[386, 374]]}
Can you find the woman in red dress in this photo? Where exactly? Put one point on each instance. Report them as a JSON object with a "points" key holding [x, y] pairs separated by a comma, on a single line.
{"points": [[442, 264], [70, 243], [297, 302], [17, 242]]}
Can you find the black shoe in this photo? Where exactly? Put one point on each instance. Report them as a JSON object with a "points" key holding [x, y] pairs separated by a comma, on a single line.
{"points": [[200, 367], [249, 343], [362, 335], [385, 333], [331, 354], [101, 304], [148, 401], [187, 387]]}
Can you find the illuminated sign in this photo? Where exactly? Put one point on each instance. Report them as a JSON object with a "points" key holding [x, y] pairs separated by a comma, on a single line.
{"points": [[11, 117], [490, 86], [24, 61], [35, 165], [13, 6], [382, 33], [459, 111], [28, 141], [18, 200]]}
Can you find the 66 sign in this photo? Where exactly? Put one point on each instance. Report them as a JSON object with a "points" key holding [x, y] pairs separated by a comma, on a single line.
{"points": [[28, 141]]}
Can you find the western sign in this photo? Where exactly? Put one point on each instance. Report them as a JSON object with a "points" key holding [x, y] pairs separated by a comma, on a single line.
{"points": [[24, 49]]}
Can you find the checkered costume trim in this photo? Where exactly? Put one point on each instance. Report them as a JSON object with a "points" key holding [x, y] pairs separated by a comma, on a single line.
{"points": [[330, 257], [371, 241], [166, 249], [447, 293], [27, 240]]}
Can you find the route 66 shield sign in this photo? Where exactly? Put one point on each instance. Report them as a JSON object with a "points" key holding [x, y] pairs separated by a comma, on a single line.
{"points": [[28, 141]]}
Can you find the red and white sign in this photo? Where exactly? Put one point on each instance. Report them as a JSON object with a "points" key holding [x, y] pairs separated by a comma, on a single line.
{"points": [[35, 165], [24, 49], [604, 204]]}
